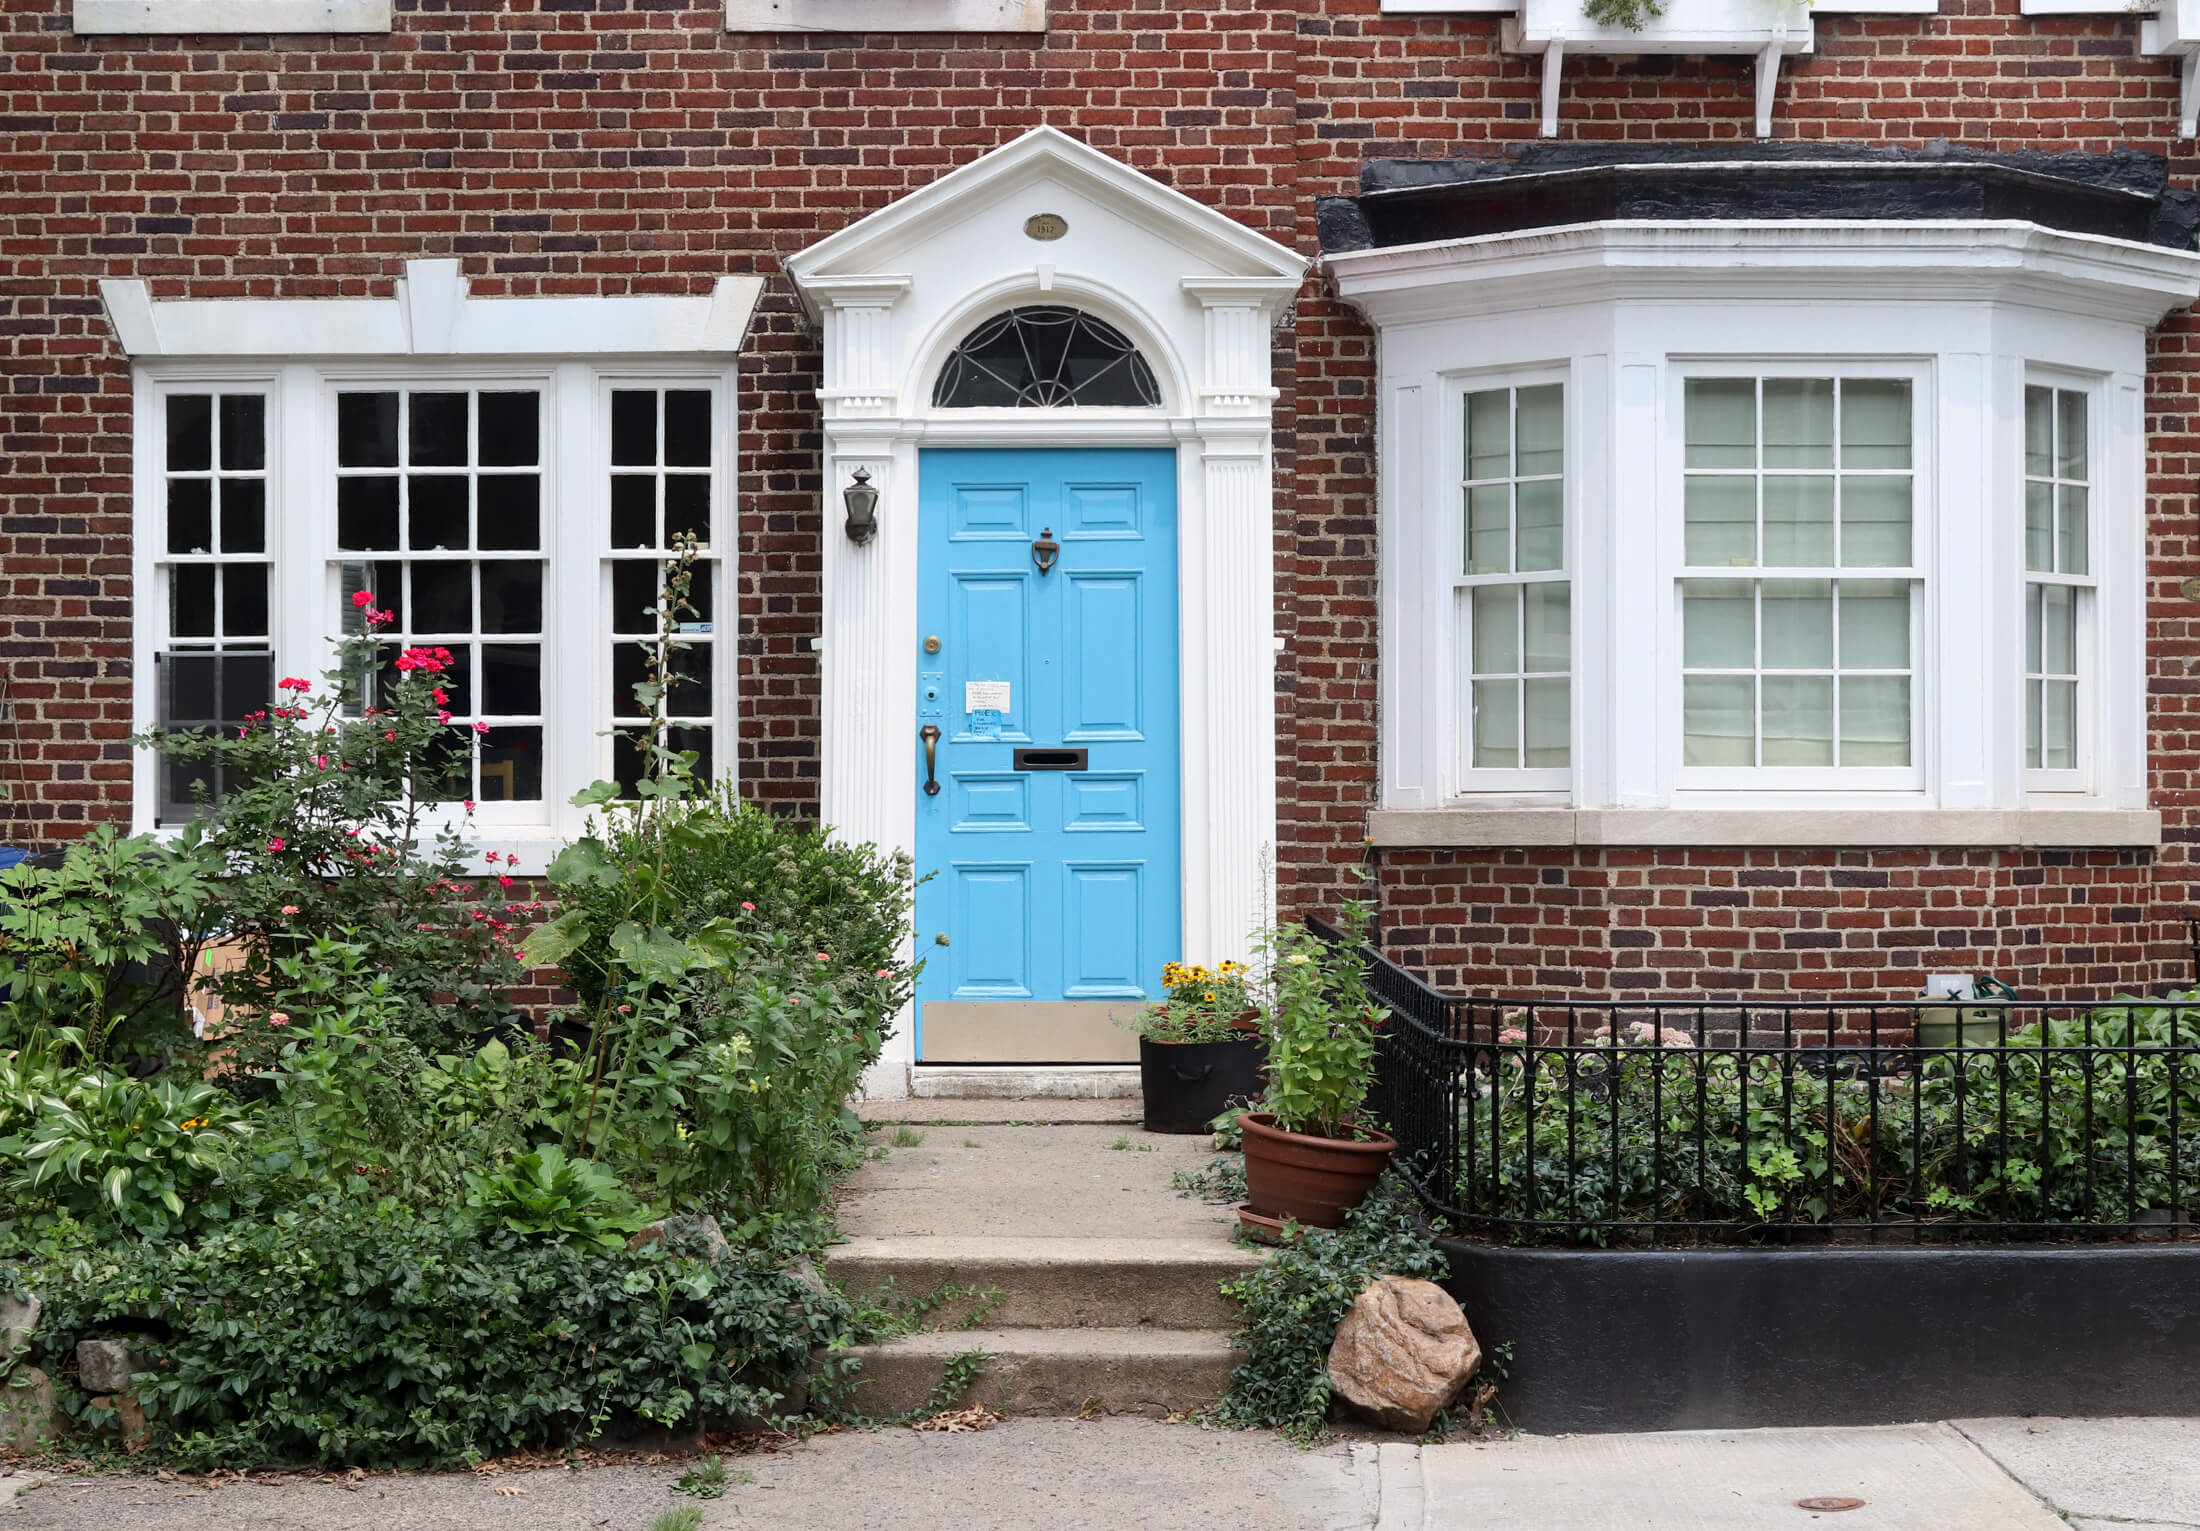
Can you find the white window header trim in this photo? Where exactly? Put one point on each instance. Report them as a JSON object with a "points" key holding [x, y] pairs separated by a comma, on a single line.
{"points": [[432, 315], [172, 18]]}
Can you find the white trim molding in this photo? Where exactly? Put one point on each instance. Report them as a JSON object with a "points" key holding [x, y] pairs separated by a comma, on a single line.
{"points": [[1626, 313], [172, 18], [886, 15], [1200, 295]]}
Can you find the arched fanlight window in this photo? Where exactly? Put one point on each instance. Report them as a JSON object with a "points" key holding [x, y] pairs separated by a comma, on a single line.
{"points": [[1044, 356]]}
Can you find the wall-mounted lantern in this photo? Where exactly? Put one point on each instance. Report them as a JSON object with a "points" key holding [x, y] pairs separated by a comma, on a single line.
{"points": [[862, 502]]}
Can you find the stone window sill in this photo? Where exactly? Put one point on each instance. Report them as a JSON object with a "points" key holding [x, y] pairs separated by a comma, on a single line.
{"points": [[886, 15], [1782, 828], [168, 18]]}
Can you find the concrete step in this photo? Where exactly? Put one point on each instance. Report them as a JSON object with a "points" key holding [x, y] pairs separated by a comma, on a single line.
{"points": [[1053, 1283], [1052, 1371]]}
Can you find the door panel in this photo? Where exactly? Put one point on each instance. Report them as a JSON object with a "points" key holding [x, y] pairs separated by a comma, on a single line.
{"points": [[1057, 892]]}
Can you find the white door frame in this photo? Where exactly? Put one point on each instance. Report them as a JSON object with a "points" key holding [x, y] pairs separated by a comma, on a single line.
{"points": [[1182, 281]]}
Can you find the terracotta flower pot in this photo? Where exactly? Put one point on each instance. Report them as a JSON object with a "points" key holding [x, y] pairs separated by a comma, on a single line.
{"points": [[1314, 1180]]}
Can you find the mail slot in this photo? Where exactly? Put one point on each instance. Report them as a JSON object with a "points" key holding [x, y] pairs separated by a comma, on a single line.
{"points": [[1050, 760]]}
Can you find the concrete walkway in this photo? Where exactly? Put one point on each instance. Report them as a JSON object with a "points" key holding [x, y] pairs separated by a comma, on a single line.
{"points": [[1139, 1475]]}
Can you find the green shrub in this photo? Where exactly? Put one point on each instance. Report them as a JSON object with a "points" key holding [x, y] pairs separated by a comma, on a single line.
{"points": [[351, 1331], [546, 1193], [1321, 1029], [1295, 1299], [1629, 1132]]}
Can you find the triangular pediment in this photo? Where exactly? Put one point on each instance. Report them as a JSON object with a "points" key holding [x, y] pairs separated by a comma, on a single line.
{"points": [[891, 238]]}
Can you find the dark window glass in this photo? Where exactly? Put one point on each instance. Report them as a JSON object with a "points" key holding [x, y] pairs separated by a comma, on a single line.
{"points": [[628, 755], [366, 514], [244, 600], [511, 430], [1045, 356], [511, 764], [699, 593], [633, 511], [438, 422], [697, 740], [687, 429], [506, 506], [442, 598], [511, 678], [366, 430], [204, 691], [191, 601], [634, 429], [435, 513], [190, 433], [244, 432], [447, 765], [689, 696], [458, 680], [687, 507], [511, 597], [190, 516], [244, 515], [629, 665], [635, 586]]}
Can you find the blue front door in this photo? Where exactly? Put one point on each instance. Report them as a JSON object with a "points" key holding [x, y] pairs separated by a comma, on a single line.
{"points": [[1052, 835]]}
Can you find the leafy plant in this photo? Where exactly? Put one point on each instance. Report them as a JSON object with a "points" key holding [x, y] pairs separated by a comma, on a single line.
{"points": [[1203, 1005], [1321, 1029], [101, 944], [1294, 1300], [681, 1517], [546, 1193], [1634, 15], [705, 1480]]}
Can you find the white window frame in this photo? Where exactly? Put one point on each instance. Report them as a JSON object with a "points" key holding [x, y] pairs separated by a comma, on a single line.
{"points": [[302, 352], [1924, 657], [886, 15], [2086, 587], [174, 18], [1451, 581]]}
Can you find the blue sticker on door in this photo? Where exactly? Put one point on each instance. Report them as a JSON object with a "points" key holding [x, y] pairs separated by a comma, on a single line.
{"points": [[1045, 772]]}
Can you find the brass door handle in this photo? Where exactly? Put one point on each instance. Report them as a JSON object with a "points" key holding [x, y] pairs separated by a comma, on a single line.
{"points": [[930, 734]]}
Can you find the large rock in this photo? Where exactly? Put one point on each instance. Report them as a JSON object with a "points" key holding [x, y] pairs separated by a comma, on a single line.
{"points": [[18, 1321], [106, 1366], [29, 1422], [691, 1235], [1403, 1354]]}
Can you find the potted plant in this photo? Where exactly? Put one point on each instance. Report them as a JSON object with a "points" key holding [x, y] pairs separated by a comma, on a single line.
{"points": [[1309, 1157], [1200, 1049]]}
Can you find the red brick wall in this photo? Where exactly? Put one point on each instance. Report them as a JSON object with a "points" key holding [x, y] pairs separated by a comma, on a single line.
{"points": [[606, 146]]}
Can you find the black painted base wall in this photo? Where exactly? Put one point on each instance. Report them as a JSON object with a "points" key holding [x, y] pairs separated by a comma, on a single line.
{"points": [[1609, 1340]]}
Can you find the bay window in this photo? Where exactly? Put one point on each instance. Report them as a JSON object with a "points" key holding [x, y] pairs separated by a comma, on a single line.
{"points": [[2059, 585]]}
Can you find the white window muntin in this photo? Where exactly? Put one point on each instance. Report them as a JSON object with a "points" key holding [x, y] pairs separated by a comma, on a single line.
{"points": [[306, 579], [1915, 575], [2061, 559], [1542, 583]]}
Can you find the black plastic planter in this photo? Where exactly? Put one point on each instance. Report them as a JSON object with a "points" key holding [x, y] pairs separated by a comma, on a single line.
{"points": [[1188, 1084]]}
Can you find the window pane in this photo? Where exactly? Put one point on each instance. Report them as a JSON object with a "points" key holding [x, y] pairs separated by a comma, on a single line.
{"points": [[1718, 720], [633, 511], [366, 430], [1721, 422], [1549, 624], [1875, 522], [507, 508], [699, 590], [511, 430], [442, 598], [244, 600], [1798, 628], [2039, 432], [689, 693], [511, 678], [687, 508], [2070, 528], [1875, 625], [1798, 728], [2056, 646], [1718, 624], [244, 515], [634, 587], [1875, 720], [2070, 434], [511, 764], [687, 428], [1875, 423], [1798, 422], [2039, 527], [634, 428], [244, 432], [366, 514], [2058, 725], [1496, 630], [2032, 705], [1542, 426], [1542, 540], [1798, 522], [2033, 603], [190, 433], [190, 515], [1721, 521], [1547, 724], [191, 601], [435, 512], [1489, 434], [511, 597], [1489, 529], [1497, 724], [438, 430]]}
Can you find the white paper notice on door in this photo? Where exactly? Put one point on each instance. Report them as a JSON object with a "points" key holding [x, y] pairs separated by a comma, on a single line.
{"points": [[985, 695]]}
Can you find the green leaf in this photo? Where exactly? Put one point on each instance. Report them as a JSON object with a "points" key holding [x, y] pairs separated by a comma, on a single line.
{"points": [[554, 942], [583, 862], [596, 794]]}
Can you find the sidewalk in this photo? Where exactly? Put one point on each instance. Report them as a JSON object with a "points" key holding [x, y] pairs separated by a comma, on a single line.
{"points": [[1139, 1475]]}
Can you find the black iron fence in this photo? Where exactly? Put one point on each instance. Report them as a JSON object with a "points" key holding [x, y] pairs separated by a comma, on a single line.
{"points": [[1620, 1122]]}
